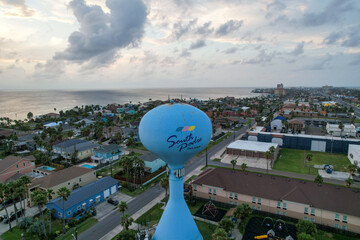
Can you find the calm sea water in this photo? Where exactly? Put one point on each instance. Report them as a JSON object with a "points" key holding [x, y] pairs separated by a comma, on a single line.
{"points": [[16, 104]]}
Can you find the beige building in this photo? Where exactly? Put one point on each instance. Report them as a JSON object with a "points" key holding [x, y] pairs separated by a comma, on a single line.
{"points": [[324, 204], [72, 178]]}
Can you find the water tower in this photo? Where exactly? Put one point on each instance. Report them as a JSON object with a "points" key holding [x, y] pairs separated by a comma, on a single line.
{"points": [[176, 132]]}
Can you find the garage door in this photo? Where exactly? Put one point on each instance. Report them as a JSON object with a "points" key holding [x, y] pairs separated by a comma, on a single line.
{"points": [[106, 193], [278, 141], [252, 138], [113, 189], [319, 146]]}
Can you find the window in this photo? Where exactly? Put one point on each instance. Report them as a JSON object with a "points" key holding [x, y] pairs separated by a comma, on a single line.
{"points": [[306, 210], [278, 212], [230, 202], [312, 220], [24, 164], [253, 207], [285, 206], [313, 212], [236, 196], [79, 179], [345, 219], [209, 190], [259, 200], [97, 199], [235, 203], [195, 188], [17, 165], [254, 200], [231, 195], [259, 208], [284, 213], [214, 198], [78, 207], [336, 225], [59, 214], [210, 197], [343, 227], [195, 195], [68, 183], [69, 212], [305, 218], [337, 217], [278, 204], [214, 191]]}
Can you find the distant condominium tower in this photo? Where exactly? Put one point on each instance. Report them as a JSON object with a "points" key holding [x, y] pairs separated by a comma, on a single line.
{"points": [[280, 90]]}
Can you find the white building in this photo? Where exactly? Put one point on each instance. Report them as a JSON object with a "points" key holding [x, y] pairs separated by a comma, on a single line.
{"points": [[349, 130], [354, 154]]}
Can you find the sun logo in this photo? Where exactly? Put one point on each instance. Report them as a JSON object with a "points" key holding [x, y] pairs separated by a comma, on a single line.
{"points": [[185, 129]]}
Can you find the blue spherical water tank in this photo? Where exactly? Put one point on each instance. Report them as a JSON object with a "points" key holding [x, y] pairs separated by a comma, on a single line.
{"points": [[175, 132]]}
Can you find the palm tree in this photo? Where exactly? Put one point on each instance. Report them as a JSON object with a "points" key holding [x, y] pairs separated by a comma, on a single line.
{"points": [[39, 199], [226, 224], [127, 164], [13, 195], [4, 195], [233, 162], [319, 179], [139, 165], [126, 221], [122, 207], [267, 155], [309, 158], [219, 234], [49, 193], [243, 167], [164, 183], [351, 169], [63, 193], [25, 180], [242, 211], [349, 182], [341, 127], [272, 151]]}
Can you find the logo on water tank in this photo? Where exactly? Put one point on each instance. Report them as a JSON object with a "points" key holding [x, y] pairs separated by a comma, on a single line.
{"points": [[188, 142]]}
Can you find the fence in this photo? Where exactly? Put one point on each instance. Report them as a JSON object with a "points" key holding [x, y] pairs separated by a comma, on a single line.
{"points": [[142, 180]]}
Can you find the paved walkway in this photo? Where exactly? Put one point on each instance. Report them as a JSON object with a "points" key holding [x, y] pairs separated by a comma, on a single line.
{"points": [[28, 212]]}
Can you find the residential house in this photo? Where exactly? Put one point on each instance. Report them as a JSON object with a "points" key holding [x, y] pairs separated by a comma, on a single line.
{"points": [[354, 154], [84, 198], [71, 178], [11, 165], [109, 132], [68, 147], [107, 153], [348, 130], [26, 142], [128, 132], [324, 204], [152, 162], [296, 125], [86, 122], [277, 123]]}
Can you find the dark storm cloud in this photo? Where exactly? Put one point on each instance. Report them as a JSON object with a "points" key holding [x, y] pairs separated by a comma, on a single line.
{"points": [[101, 34], [205, 29], [180, 28], [20, 4], [198, 44], [299, 49], [228, 27], [331, 14], [231, 50], [347, 38]]}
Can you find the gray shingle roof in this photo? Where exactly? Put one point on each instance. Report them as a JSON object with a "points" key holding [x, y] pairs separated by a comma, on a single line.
{"points": [[149, 157], [323, 196], [68, 143], [80, 147], [108, 148], [85, 192]]}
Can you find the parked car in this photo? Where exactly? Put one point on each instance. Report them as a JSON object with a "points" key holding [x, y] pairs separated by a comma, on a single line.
{"points": [[113, 202], [12, 216]]}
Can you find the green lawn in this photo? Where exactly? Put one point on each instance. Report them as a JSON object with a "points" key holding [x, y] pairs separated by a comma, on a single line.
{"points": [[152, 216], [139, 146], [56, 225], [321, 235], [292, 160], [206, 229], [80, 228], [191, 178]]}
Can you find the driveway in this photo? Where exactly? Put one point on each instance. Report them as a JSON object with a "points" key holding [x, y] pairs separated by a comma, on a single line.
{"points": [[105, 208]]}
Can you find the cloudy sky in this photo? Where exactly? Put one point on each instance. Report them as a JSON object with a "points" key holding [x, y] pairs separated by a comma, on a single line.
{"points": [[97, 44]]}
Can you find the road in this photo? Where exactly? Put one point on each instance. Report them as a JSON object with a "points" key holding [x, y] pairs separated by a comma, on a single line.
{"points": [[104, 226], [345, 104]]}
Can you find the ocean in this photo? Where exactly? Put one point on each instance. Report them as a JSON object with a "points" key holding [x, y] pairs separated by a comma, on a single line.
{"points": [[16, 104]]}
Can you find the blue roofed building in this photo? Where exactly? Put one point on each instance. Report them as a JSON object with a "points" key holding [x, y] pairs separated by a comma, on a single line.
{"points": [[107, 153], [152, 162], [277, 123], [84, 198]]}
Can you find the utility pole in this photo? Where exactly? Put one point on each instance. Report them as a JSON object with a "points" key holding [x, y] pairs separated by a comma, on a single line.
{"points": [[206, 158]]}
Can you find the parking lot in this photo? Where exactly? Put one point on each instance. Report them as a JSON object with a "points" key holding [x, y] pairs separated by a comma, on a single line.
{"points": [[105, 208]]}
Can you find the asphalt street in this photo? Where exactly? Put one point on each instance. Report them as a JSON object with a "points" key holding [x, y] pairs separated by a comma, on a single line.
{"points": [[108, 223]]}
